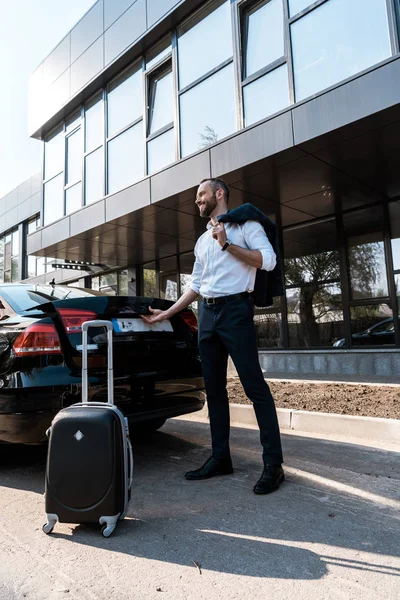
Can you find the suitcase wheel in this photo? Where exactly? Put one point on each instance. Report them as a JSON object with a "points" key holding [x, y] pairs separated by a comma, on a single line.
{"points": [[107, 530], [48, 527]]}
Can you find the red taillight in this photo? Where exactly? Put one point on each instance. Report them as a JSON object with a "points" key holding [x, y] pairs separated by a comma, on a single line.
{"points": [[190, 320], [73, 318], [41, 338]]}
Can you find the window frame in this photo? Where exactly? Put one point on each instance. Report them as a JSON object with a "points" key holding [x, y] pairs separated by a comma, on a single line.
{"points": [[159, 69], [133, 67]]}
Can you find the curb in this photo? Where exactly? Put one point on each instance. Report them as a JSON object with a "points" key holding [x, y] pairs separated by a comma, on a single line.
{"points": [[364, 428]]}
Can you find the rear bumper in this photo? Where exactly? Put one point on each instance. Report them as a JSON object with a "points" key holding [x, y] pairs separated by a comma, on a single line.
{"points": [[25, 415]]}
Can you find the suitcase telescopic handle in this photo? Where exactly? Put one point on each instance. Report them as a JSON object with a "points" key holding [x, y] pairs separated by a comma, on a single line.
{"points": [[110, 382]]}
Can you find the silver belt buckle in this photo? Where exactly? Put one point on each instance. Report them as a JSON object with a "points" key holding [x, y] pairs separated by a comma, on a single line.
{"points": [[210, 301]]}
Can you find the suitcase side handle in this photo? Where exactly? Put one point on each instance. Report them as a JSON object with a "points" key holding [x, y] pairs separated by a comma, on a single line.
{"points": [[110, 373]]}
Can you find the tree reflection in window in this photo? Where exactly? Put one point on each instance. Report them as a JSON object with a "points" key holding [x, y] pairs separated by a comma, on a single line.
{"points": [[314, 299]]}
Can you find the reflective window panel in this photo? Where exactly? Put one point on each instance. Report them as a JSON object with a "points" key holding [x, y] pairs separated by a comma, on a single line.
{"points": [[296, 6], [315, 316], [161, 151], [207, 112], [74, 157], [31, 266], [15, 243], [168, 279], [268, 329], [109, 284], [73, 121], [54, 154], [125, 103], [337, 40], [367, 268], [94, 176], [205, 45], [264, 36], [53, 199], [372, 325], [266, 95], [73, 198], [161, 96], [94, 125], [149, 280], [125, 159], [159, 52]]}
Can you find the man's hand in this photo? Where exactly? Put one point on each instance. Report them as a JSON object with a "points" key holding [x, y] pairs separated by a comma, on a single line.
{"points": [[156, 316], [218, 232]]}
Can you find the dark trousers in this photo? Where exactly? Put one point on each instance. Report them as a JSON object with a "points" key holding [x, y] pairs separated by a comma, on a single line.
{"points": [[228, 329]]}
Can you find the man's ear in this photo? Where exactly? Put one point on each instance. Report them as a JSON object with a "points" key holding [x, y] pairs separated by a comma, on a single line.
{"points": [[219, 194]]}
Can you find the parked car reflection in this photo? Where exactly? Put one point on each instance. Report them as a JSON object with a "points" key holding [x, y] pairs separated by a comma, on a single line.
{"points": [[381, 333]]}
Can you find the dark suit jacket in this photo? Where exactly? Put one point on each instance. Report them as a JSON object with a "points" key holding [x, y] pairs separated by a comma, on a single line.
{"points": [[268, 283]]}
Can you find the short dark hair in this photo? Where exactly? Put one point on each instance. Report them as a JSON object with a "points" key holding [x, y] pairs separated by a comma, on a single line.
{"points": [[217, 184]]}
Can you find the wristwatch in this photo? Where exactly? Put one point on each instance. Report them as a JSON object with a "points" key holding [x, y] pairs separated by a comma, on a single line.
{"points": [[226, 245]]}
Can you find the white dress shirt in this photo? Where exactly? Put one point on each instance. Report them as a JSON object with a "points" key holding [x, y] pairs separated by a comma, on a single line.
{"points": [[219, 273]]}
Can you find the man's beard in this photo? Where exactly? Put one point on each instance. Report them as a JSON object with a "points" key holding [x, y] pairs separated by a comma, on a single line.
{"points": [[211, 204]]}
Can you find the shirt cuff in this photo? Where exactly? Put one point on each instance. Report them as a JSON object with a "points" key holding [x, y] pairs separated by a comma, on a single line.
{"points": [[268, 260], [195, 288]]}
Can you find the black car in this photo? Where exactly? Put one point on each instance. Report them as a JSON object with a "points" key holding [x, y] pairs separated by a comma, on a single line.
{"points": [[381, 333], [157, 372]]}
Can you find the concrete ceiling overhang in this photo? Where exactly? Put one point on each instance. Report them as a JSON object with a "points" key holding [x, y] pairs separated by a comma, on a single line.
{"points": [[273, 163]]}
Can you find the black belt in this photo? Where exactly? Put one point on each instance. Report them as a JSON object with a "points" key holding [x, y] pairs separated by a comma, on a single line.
{"points": [[223, 299]]}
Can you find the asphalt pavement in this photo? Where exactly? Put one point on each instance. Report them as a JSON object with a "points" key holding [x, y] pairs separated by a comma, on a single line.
{"points": [[332, 531]]}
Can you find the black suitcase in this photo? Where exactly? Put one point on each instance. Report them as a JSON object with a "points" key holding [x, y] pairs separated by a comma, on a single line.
{"points": [[89, 462]]}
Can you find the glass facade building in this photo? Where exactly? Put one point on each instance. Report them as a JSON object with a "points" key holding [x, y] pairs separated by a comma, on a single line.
{"points": [[280, 98]]}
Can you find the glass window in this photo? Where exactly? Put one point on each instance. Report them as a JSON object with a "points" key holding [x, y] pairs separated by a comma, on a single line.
{"points": [[372, 325], [367, 267], [149, 280], [74, 157], [94, 126], [161, 111], [208, 111], [169, 279], [73, 198], [296, 6], [366, 254], [159, 52], [31, 266], [109, 284], [204, 45], [312, 277], [125, 158], [33, 225], [40, 265], [266, 95], [315, 316], [268, 329], [15, 243], [124, 103], [14, 268], [53, 199], [161, 151], [54, 154], [265, 42], [73, 121], [94, 176], [123, 283], [337, 40]]}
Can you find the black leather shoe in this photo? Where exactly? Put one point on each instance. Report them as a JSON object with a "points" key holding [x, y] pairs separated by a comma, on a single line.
{"points": [[271, 478], [211, 468]]}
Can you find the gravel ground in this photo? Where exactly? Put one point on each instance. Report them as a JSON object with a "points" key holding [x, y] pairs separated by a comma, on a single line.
{"points": [[340, 398]]}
